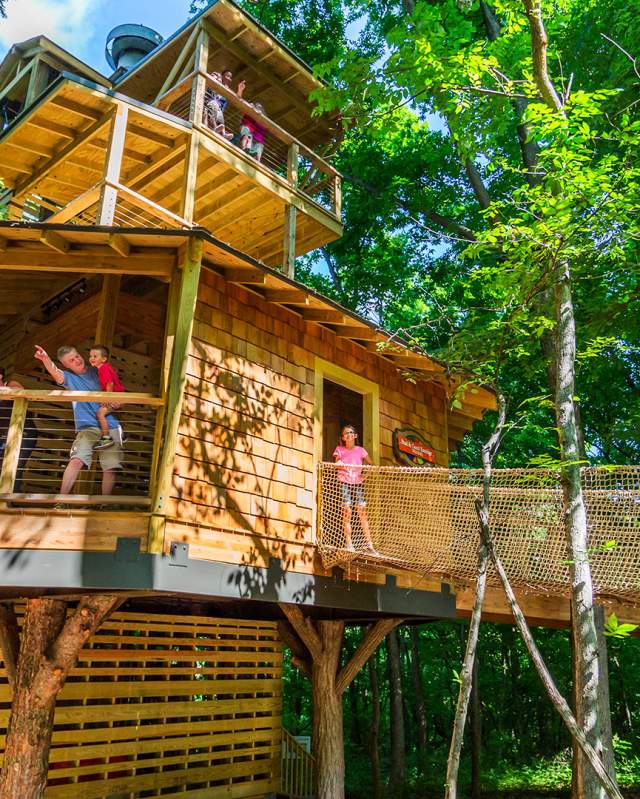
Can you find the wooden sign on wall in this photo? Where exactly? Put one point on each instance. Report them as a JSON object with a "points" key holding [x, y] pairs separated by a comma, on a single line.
{"points": [[412, 449]]}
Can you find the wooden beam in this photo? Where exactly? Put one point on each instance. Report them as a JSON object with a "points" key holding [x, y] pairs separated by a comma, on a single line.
{"points": [[18, 77], [22, 259], [60, 395], [77, 206], [161, 163], [189, 277], [76, 499], [355, 332], [158, 210], [289, 244], [253, 277], [4, 243], [151, 135], [108, 310], [12, 450], [287, 296], [112, 166], [196, 109], [55, 241], [119, 243], [37, 81], [177, 66], [323, 315], [22, 187], [190, 177]]}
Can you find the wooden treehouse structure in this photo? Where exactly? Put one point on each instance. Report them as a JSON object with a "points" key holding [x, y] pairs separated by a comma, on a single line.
{"points": [[134, 221]]}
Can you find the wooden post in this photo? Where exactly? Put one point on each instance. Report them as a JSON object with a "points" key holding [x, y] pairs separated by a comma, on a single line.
{"points": [[106, 326], [177, 65], [190, 178], [38, 80], [186, 306], [113, 163], [12, 450], [337, 196], [196, 111], [289, 247], [292, 164]]}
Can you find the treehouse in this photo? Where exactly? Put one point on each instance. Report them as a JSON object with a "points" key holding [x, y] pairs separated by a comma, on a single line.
{"points": [[134, 222]]}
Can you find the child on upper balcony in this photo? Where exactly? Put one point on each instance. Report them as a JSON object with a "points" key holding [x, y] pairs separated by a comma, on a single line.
{"points": [[109, 381], [252, 134], [351, 457], [215, 104]]}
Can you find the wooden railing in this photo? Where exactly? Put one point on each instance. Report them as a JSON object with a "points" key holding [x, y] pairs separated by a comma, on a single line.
{"points": [[283, 155], [298, 769], [41, 430]]}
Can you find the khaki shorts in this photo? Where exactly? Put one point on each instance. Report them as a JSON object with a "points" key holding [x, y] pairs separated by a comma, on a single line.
{"points": [[82, 448]]}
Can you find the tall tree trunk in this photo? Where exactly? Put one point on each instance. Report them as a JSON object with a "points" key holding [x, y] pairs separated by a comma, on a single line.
{"points": [[418, 693], [374, 735], [26, 753], [476, 733], [587, 670], [317, 647], [398, 775], [328, 736], [48, 649]]}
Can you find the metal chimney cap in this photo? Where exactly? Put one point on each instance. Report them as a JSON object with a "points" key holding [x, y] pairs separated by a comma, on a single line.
{"points": [[130, 37]]}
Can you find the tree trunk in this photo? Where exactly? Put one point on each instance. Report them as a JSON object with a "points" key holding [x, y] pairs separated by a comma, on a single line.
{"points": [[328, 736], [583, 628], [374, 735], [476, 733], [26, 755], [48, 649], [397, 777], [419, 704]]}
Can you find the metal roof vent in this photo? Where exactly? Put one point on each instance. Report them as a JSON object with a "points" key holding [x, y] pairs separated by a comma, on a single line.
{"points": [[128, 44]]}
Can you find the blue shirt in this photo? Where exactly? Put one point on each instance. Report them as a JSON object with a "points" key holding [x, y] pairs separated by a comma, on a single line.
{"points": [[84, 413]]}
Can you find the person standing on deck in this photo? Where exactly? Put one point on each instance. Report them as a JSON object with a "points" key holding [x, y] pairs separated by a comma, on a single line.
{"points": [[77, 376]]}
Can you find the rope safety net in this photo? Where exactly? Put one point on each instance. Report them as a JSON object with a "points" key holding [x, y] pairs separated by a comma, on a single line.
{"points": [[425, 520]]}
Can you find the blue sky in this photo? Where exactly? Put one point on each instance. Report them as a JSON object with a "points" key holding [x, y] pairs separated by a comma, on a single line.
{"points": [[81, 26]]}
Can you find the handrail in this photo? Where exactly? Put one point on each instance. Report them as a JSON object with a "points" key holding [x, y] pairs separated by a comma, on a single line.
{"points": [[61, 395], [298, 769]]}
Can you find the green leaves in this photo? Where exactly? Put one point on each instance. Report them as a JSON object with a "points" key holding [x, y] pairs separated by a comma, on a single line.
{"points": [[613, 629]]}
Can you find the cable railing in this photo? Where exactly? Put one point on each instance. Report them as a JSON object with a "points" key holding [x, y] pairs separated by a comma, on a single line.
{"points": [[40, 438], [282, 154], [298, 769]]}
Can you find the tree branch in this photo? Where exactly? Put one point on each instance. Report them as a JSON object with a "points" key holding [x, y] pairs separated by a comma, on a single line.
{"points": [[304, 628], [539, 45], [374, 635], [300, 653], [65, 649], [9, 641]]}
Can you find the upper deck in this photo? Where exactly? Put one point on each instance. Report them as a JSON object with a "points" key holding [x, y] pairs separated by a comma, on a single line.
{"points": [[148, 153]]}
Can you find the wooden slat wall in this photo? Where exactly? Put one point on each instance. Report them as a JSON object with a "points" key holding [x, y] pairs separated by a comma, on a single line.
{"points": [[184, 705], [243, 488]]}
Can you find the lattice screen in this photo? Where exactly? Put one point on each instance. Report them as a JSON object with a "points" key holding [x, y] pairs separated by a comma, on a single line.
{"points": [[176, 706]]}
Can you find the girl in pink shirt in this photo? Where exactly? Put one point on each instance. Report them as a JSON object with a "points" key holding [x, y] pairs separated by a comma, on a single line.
{"points": [[351, 456]]}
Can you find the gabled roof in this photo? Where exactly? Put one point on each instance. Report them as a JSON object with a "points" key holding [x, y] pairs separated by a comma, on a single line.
{"points": [[58, 56]]}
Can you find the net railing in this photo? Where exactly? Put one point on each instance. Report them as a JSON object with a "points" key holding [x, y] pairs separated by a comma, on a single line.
{"points": [[36, 446], [425, 520]]}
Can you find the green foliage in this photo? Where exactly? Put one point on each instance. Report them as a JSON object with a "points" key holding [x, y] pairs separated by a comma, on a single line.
{"points": [[614, 629]]}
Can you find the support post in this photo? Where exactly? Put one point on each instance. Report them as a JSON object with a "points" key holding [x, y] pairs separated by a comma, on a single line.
{"points": [[337, 196], [196, 110], [11, 459], [108, 311], [292, 164], [289, 253], [188, 203], [113, 163], [189, 276]]}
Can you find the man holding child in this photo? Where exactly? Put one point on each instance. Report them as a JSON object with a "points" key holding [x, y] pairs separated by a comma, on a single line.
{"points": [[76, 375]]}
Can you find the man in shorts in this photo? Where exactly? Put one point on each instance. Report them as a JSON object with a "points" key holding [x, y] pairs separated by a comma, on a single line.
{"points": [[77, 376]]}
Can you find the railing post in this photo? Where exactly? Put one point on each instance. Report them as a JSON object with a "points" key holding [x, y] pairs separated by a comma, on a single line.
{"points": [[293, 154], [113, 163], [196, 110], [337, 196], [12, 450], [289, 244]]}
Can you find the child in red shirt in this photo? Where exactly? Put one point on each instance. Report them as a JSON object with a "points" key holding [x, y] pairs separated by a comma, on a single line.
{"points": [[351, 457], [109, 381]]}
